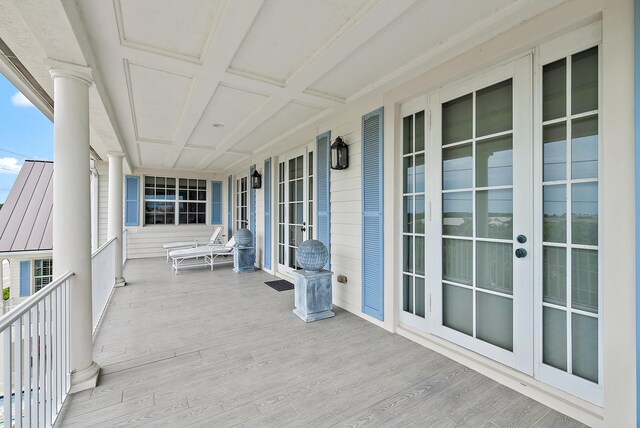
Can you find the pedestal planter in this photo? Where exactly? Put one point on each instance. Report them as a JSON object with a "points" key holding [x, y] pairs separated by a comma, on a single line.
{"points": [[313, 295], [244, 259]]}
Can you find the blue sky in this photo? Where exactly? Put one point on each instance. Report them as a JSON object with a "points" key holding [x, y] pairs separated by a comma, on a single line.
{"points": [[25, 133]]}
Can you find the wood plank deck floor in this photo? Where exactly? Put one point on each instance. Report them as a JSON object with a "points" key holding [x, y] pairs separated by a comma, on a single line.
{"points": [[219, 349]]}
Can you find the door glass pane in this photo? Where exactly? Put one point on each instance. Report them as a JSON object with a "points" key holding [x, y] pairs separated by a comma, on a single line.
{"points": [[420, 302], [554, 280], [457, 311], [407, 175], [408, 253], [584, 346], [457, 167], [457, 216], [419, 214], [495, 266], [584, 213], [554, 90], [555, 213], [494, 109], [419, 250], [457, 120], [407, 135], [494, 162], [494, 213], [419, 170], [457, 261], [495, 320], [554, 338], [299, 166], [407, 223], [584, 147], [584, 81], [584, 280], [407, 293], [555, 152], [419, 131]]}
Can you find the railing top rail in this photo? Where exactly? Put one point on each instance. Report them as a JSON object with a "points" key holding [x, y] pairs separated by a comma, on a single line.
{"points": [[102, 247], [9, 318]]}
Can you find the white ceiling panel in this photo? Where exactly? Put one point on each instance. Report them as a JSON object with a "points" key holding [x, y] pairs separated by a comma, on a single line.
{"points": [[158, 98], [191, 157], [174, 28], [424, 26], [288, 33], [228, 107], [224, 162], [153, 155], [289, 117]]}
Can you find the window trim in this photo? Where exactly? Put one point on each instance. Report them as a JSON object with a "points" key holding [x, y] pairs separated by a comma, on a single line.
{"points": [[176, 200]]}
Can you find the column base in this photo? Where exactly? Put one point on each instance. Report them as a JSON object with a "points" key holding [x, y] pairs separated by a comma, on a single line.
{"points": [[85, 378], [120, 282]]}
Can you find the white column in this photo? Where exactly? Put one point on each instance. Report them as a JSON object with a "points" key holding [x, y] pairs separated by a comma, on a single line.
{"points": [[72, 211], [114, 228]]}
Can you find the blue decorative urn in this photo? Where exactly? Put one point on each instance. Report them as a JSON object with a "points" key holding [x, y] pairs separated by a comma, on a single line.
{"points": [[243, 237], [312, 255]]}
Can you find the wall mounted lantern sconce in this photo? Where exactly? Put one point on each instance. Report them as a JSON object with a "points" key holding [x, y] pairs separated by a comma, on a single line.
{"points": [[256, 180], [339, 154]]}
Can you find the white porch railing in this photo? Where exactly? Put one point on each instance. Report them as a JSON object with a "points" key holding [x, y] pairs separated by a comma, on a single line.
{"points": [[35, 354], [124, 246], [103, 273]]}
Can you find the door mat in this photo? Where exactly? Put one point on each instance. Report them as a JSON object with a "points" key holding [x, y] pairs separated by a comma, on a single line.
{"points": [[280, 285]]}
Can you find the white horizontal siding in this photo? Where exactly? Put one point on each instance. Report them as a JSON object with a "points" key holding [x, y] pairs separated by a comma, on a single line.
{"points": [[147, 241], [103, 200]]}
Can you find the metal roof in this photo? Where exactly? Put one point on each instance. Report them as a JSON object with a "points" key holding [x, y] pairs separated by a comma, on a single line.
{"points": [[26, 218]]}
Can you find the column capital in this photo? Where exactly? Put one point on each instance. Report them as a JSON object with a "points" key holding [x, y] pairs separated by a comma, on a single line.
{"points": [[67, 69], [115, 154]]}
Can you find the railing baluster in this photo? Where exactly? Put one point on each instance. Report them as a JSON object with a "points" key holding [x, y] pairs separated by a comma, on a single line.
{"points": [[42, 355], [54, 354], [48, 392], [18, 372], [59, 347], [27, 369], [8, 381], [36, 365]]}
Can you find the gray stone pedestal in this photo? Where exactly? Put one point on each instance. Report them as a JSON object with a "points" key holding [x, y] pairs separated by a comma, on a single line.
{"points": [[243, 259], [313, 295]]}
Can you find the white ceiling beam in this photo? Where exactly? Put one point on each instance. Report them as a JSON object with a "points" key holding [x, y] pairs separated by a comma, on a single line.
{"points": [[236, 21], [376, 18]]}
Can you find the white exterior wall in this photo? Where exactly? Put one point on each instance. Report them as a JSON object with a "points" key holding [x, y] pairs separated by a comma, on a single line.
{"points": [[103, 200], [618, 201]]}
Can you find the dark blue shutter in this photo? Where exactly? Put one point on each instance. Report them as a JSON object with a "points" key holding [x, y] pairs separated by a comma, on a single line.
{"points": [[267, 213], [372, 215], [216, 202], [252, 207], [230, 207], [132, 201], [323, 204], [25, 278]]}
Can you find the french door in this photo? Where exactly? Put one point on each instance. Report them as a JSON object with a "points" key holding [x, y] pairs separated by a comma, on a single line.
{"points": [[500, 216], [242, 203], [295, 205]]}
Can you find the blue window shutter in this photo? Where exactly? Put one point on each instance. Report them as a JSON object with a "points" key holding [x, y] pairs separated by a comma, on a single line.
{"points": [[323, 190], [230, 206], [132, 201], [25, 278], [252, 208], [216, 202], [267, 213], [372, 215]]}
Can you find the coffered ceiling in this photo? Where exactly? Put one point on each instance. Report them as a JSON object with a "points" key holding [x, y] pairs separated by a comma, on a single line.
{"points": [[205, 84]]}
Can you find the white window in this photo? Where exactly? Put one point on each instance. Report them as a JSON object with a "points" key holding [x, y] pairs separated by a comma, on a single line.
{"points": [[161, 203], [242, 203], [42, 273]]}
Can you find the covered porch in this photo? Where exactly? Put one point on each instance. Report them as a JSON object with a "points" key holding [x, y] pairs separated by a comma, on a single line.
{"points": [[219, 349]]}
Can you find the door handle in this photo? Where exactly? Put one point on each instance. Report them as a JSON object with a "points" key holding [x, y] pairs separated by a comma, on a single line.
{"points": [[303, 227], [521, 253]]}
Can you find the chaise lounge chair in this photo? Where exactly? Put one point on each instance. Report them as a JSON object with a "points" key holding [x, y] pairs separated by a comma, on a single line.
{"points": [[214, 240], [208, 253]]}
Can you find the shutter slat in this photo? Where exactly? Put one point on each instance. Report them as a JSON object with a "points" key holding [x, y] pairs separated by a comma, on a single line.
{"points": [[323, 189], [132, 201], [267, 213], [372, 215], [252, 207]]}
